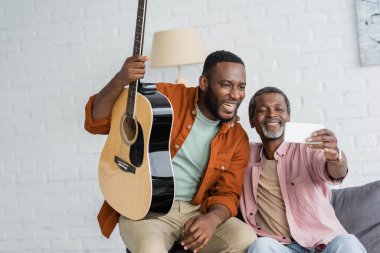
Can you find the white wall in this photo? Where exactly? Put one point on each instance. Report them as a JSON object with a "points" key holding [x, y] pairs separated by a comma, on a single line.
{"points": [[55, 53]]}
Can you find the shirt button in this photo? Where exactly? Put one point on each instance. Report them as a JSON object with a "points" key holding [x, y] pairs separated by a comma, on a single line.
{"points": [[222, 168], [250, 213], [193, 112], [176, 146], [189, 127], [259, 228], [292, 183], [284, 238]]}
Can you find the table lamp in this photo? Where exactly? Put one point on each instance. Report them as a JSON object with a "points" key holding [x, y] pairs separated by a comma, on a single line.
{"points": [[176, 48]]}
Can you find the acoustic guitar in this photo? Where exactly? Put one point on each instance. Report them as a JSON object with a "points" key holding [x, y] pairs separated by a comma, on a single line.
{"points": [[135, 170]]}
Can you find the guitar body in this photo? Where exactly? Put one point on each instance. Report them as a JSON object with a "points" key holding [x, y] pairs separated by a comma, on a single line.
{"points": [[135, 170]]}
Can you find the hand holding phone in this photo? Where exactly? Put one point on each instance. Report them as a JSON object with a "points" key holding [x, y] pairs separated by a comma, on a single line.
{"points": [[299, 132]]}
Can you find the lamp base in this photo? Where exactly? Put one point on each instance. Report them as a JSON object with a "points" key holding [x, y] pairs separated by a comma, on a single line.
{"points": [[181, 80]]}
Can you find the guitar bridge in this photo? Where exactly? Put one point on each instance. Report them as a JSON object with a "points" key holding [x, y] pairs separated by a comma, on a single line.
{"points": [[124, 166]]}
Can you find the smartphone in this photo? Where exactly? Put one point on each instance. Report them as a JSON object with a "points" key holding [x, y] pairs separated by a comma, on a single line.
{"points": [[299, 132]]}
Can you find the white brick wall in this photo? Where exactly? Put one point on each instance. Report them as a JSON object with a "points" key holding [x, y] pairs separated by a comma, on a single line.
{"points": [[54, 54]]}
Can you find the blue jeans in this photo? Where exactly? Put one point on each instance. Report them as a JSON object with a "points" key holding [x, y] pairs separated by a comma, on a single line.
{"points": [[341, 244]]}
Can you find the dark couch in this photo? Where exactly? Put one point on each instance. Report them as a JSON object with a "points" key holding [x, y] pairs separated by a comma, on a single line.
{"points": [[358, 209]]}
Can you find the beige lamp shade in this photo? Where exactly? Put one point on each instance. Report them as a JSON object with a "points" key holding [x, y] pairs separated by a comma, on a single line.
{"points": [[177, 47]]}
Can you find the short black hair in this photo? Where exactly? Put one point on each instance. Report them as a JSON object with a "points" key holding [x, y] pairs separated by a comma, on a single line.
{"points": [[219, 56], [268, 89]]}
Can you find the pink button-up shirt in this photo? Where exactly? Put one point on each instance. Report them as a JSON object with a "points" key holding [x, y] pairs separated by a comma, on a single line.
{"points": [[304, 185]]}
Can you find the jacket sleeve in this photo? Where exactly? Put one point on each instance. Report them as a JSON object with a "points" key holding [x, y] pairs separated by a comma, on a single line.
{"points": [[100, 126], [228, 187]]}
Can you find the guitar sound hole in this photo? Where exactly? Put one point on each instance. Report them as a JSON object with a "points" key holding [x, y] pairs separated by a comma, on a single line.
{"points": [[130, 129]]}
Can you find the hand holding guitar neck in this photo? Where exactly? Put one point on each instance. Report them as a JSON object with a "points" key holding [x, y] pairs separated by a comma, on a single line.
{"points": [[132, 69]]}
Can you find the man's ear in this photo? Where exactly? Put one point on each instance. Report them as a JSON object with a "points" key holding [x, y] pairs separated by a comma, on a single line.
{"points": [[252, 122], [203, 83]]}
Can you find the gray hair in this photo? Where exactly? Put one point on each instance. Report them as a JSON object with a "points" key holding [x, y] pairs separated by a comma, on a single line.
{"points": [[268, 89]]}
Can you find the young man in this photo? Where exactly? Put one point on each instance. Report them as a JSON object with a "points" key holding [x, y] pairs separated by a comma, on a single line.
{"points": [[285, 191], [209, 155]]}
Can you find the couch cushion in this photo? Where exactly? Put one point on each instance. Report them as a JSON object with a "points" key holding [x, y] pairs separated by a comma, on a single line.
{"points": [[358, 209]]}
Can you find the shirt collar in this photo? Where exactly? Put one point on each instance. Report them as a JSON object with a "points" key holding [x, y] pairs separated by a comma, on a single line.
{"points": [[282, 149], [280, 152]]}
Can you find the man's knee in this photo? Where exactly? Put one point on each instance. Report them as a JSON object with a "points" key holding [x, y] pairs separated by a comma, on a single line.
{"points": [[263, 245], [144, 237], [149, 246], [348, 243], [232, 236]]}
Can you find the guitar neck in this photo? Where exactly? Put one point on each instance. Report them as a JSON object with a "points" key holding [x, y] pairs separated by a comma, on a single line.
{"points": [[140, 26], [137, 50]]}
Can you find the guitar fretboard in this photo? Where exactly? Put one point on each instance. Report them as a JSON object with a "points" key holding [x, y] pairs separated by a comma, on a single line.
{"points": [[137, 50]]}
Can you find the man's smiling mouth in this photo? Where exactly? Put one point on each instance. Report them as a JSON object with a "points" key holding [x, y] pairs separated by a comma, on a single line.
{"points": [[229, 106]]}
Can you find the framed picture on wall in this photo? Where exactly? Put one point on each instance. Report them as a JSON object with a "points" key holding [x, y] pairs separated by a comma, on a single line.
{"points": [[368, 21]]}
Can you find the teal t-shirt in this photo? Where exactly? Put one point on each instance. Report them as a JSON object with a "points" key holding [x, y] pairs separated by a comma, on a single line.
{"points": [[192, 158]]}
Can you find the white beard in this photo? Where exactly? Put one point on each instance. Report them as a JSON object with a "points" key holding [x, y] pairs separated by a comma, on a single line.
{"points": [[272, 134]]}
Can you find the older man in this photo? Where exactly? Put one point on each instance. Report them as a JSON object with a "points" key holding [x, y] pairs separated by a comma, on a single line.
{"points": [[285, 194]]}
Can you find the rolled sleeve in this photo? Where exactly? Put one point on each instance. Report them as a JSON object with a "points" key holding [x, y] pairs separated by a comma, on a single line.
{"points": [[228, 201], [99, 126], [335, 165], [319, 166]]}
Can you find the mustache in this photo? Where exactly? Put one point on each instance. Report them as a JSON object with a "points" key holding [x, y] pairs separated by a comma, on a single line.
{"points": [[273, 120], [237, 102]]}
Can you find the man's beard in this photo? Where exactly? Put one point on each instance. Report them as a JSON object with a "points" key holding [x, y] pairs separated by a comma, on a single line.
{"points": [[212, 105], [272, 134]]}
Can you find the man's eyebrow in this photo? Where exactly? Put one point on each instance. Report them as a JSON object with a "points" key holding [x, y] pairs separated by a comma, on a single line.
{"points": [[225, 80]]}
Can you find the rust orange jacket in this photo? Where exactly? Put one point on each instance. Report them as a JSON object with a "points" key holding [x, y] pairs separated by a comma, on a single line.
{"points": [[222, 179]]}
